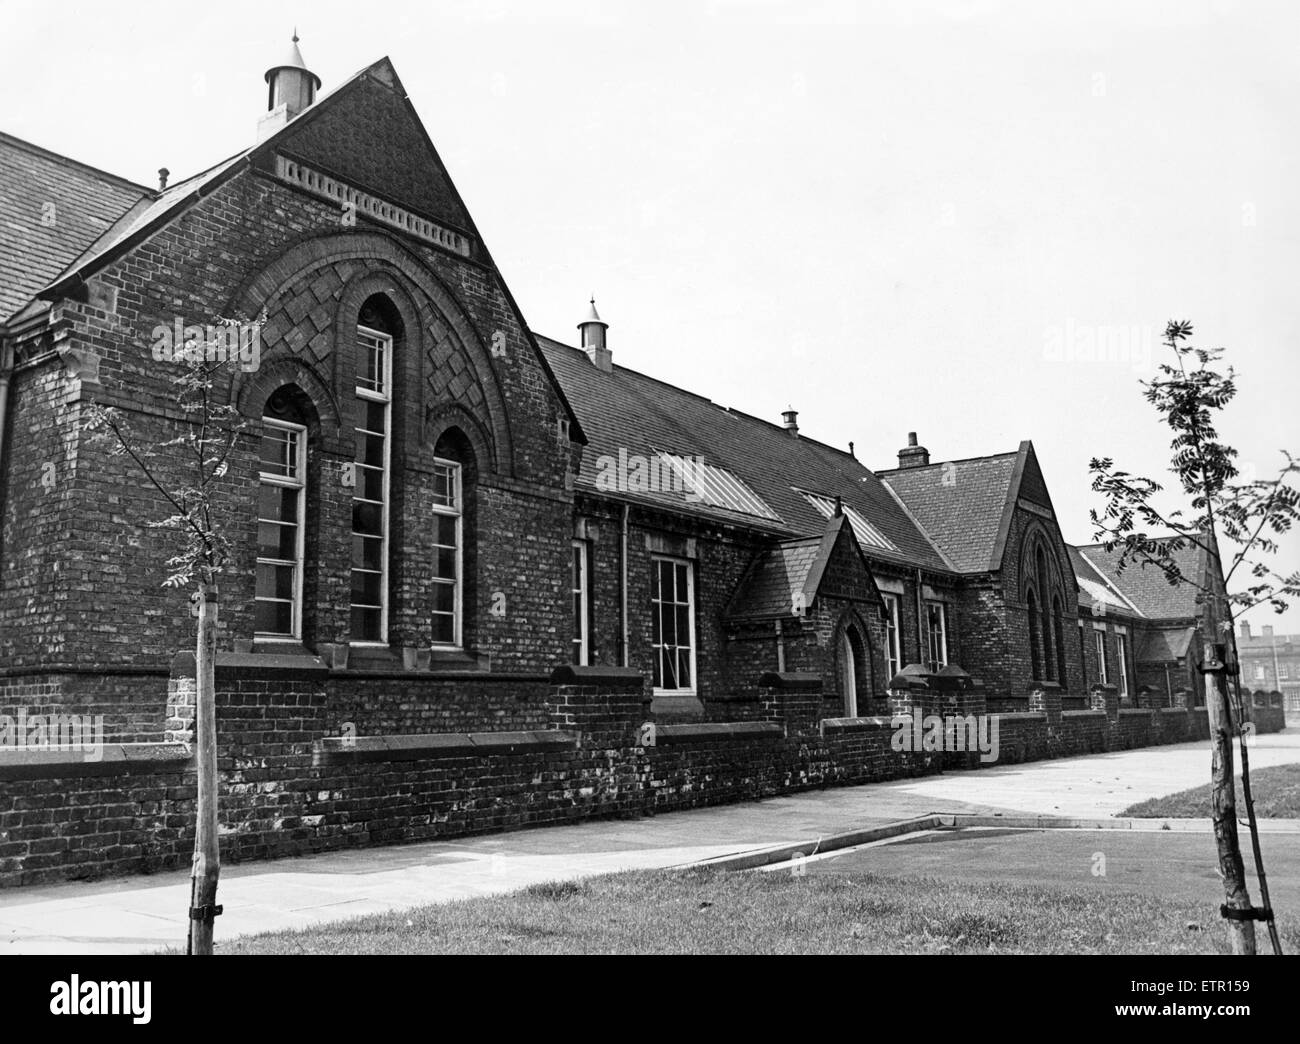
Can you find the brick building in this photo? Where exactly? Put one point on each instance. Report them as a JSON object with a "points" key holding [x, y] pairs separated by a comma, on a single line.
{"points": [[434, 506], [1270, 663]]}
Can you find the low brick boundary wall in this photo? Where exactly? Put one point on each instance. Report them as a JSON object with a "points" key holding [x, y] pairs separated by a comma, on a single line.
{"points": [[292, 784]]}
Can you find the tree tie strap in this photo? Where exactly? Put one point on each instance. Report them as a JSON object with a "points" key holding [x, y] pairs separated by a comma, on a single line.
{"points": [[1251, 913]]}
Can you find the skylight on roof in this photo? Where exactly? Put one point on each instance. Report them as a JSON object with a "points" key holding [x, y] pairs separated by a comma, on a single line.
{"points": [[717, 487], [867, 534]]}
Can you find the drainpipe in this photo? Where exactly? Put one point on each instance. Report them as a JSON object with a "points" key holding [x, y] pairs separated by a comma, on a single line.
{"points": [[6, 369], [780, 648], [623, 608], [920, 623]]}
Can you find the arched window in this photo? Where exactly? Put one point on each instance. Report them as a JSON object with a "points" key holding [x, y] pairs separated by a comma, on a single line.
{"points": [[285, 539], [1043, 601], [455, 477], [1035, 637], [379, 329], [1058, 636]]}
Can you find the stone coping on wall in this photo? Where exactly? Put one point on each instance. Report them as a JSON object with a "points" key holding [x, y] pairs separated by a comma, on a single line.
{"points": [[791, 681], [597, 677], [112, 759], [856, 724], [350, 749], [706, 731], [1083, 714]]}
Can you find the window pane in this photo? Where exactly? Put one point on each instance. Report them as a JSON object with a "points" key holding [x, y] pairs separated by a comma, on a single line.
{"points": [[444, 628], [365, 625], [444, 598], [367, 518], [269, 540], [370, 450], [446, 530], [684, 668], [274, 617], [367, 552], [279, 452], [376, 417], [445, 566], [365, 588], [670, 675], [668, 624], [288, 548], [274, 581], [277, 503], [444, 485], [370, 483]]}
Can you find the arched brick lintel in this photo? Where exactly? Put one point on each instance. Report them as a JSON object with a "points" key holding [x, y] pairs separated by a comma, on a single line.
{"points": [[273, 280], [449, 416], [253, 389]]}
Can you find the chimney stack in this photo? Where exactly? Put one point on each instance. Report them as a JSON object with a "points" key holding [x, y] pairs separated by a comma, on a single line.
{"points": [[912, 455], [790, 418], [593, 340], [1245, 629], [1268, 630], [163, 175], [291, 87]]}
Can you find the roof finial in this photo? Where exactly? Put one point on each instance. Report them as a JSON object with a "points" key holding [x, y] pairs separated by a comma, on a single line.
{"points": [[295, 34]]}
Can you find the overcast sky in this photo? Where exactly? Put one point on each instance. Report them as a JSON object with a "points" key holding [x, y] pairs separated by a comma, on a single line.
{"points": [[892, 217]]}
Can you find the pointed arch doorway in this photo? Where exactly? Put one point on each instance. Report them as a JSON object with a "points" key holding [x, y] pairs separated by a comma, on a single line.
{"points": [[852, 669]]}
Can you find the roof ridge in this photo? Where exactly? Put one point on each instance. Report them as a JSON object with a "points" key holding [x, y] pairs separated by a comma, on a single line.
{"points": [[30, 146], [1112, 585], [705, 399], [941, 463]]}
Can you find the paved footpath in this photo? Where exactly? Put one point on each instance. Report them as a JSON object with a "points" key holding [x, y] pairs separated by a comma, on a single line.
{"points": [[147, 913]]}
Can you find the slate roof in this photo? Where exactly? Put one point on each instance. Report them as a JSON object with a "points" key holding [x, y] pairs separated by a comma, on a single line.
{"points": [[768, 590], [1095, 591], [960, 504], [626, 410], [146, 213], [1167, 645], [776, 576], [1147, 587], [38, 241]]}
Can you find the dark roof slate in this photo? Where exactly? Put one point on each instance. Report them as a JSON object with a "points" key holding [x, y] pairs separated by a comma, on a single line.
{"points": [[51, 210], [960, 504], [626, 410], [1147, 587]]}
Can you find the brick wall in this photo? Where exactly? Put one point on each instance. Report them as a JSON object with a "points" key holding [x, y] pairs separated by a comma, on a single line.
{"points": [[292, 784]]}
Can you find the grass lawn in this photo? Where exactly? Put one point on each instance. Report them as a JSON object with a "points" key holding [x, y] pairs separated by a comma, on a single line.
{"points": [[1276, 792], [711, 911]]}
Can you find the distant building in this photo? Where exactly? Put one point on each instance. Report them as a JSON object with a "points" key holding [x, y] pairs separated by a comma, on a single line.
{"points": [[1271, 663]]}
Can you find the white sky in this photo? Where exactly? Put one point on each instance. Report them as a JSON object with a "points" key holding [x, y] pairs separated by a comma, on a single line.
{"points": [[888, 215]]}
